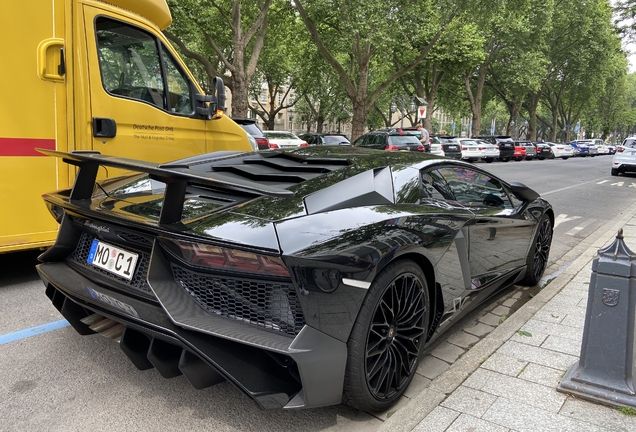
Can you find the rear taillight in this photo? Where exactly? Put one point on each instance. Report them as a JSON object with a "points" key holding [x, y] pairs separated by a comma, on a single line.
{"points": [[304, 144], [481, 148], [464, 148], [391, 148], [420, 148], [262, 142], [273, 146], [215, 257], [559, 148], [620, 150]]}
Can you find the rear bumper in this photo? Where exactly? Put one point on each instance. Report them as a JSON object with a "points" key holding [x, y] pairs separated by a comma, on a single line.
{"points": [[276, 371]]}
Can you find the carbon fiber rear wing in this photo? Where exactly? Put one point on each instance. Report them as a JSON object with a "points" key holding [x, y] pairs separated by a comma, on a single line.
{"points": [[176, 176]]}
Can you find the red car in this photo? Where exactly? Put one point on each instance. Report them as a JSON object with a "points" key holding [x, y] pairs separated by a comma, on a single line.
{"points": [[520, 152]]}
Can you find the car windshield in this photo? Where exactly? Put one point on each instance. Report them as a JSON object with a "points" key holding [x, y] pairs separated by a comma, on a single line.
{"points": [[469, 142], [445, 140], [280, 135], [252, 129], [403, 139], [335, 139]]}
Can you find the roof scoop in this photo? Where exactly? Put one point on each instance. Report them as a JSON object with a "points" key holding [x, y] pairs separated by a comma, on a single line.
{"points": [[372, 187]]}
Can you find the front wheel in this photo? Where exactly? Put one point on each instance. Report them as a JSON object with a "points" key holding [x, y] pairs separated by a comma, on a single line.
{"points": [[387, 338], [537, 259]]}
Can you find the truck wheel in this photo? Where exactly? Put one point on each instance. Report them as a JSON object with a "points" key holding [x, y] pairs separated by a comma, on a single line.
{"points": [[387, 338]]}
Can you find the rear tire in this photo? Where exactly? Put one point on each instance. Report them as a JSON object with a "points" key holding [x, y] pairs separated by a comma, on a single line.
{"points": [[615, 171], [386, 341], [537, 259], [488, 160], [565, 158]]}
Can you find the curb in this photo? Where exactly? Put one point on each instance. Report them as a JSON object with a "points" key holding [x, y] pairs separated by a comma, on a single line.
{"points": [[416, 409]]}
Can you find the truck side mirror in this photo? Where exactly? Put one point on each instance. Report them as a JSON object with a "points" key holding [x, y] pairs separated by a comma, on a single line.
{"points": [[212, 106]]}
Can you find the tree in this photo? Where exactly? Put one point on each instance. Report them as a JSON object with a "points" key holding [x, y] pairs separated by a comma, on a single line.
{"points": [[354, 36], [233, 31]]}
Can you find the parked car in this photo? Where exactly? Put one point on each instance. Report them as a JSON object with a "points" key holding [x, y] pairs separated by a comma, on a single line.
{"points": [[253, 130], [447, 145], [580, 149], [391, 141], [563, 151], [473, 150], [519, 152], [611, 148], [418, 134], [282, 139], [544, 151], [624, 159], [325, 139], [602, 149], [531, 150], [505, 144], [297, 275], [591, 145]]}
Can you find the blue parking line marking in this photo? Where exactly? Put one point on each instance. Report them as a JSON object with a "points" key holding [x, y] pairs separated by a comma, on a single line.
{"points": [[33, 331]]}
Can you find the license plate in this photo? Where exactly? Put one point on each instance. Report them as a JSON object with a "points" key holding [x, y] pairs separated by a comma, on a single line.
{"points": [[452, 147], [112, 259]]}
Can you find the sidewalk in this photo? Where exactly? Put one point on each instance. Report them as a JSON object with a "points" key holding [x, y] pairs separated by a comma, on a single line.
{"points": [[507, 381]]}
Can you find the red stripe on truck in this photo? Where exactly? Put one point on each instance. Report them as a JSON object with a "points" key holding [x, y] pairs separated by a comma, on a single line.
{"points": [[24, 146]]}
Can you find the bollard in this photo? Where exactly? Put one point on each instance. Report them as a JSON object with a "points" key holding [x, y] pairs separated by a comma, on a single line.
{"points": [[605, 370]]}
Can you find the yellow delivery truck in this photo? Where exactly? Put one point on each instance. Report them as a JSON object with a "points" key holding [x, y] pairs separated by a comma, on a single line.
{"points": [[96, 76]]}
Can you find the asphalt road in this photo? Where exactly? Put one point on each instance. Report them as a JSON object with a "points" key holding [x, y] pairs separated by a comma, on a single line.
{"points": [[60, 381]]}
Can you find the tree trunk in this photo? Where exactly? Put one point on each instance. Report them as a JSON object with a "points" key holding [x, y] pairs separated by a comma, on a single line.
{"points": [[532, 102], [475, 98]]}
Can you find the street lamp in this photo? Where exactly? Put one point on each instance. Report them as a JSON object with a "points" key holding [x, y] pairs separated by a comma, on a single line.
{"points": [[400, 102]]}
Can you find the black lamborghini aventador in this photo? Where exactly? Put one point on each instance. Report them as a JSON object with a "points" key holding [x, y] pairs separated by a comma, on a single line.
{"points": [[305, 277]]}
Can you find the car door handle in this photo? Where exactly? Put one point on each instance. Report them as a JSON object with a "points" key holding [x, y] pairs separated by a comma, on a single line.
{"points": [[104, 127]]}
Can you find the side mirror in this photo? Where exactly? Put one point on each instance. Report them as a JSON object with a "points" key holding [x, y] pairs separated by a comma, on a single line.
{"points": [[208, 106], [523, 192]]}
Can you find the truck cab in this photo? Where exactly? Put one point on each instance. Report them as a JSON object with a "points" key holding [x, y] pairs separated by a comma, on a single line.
{"points": [[87, 75]]}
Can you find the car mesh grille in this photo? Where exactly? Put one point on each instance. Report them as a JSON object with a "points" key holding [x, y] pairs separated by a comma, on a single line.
{"points": [[271, 305], [138, 282]]}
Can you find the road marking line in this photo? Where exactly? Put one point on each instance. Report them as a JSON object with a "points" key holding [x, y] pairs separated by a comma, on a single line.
{"points": [[601, 182], [563, 218], [574, 231], [571, 187], [619, 184], [33, 331]]}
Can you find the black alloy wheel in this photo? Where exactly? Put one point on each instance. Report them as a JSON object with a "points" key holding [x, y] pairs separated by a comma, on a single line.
{"points": [[387, 338], [537, 260]]}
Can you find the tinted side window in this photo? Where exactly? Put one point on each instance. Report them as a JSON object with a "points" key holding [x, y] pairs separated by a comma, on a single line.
{"points": [[434, 186], [473, 188], [630, 142]]}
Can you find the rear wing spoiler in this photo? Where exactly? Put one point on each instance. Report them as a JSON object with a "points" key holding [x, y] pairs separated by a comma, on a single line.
{"points": [[176, 176]]}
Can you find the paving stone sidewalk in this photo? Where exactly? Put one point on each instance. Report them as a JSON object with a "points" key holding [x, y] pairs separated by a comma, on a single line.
{"points": [[507, 381]]}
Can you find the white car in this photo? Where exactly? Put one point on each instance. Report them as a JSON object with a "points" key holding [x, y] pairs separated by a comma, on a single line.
{"points": [[281, 139], [474, 149], [625, 157], [602, 149], [563, 151]]}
